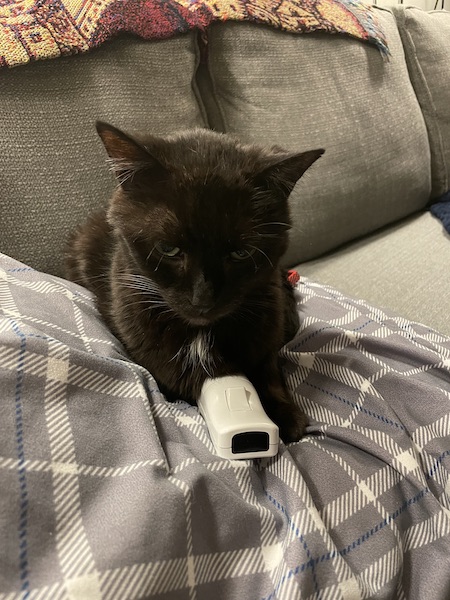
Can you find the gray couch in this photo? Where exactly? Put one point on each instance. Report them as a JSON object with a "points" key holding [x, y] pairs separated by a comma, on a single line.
{"points": [[361, 219], [108, 491]]}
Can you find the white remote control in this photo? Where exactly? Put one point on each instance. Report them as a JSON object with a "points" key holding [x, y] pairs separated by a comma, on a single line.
{"points": [[237, 423]]}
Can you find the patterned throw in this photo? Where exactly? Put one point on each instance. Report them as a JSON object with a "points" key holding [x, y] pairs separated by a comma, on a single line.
{"points": [[38, 29], [109, 492]]}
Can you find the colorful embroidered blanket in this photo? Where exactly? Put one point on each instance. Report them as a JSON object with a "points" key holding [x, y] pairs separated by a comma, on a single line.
{"points": [[36, 29]]}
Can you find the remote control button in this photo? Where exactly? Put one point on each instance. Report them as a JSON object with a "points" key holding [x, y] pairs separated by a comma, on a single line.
{"points": [[237, 399]]}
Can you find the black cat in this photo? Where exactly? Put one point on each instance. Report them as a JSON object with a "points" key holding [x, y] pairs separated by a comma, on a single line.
{"points": [[185, 261]]}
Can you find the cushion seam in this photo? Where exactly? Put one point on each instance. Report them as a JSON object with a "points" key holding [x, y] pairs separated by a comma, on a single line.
{"points": [[433, 112]]}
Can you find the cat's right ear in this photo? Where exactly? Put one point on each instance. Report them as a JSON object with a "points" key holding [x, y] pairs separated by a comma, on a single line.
{"points": [[127, 156]]}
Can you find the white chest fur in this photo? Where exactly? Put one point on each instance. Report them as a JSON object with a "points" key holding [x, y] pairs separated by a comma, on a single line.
{"points": [[199, 352]]}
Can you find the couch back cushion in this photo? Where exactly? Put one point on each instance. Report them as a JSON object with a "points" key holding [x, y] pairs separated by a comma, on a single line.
{"points": [[322, 91], [426, 39], [52, 163]]}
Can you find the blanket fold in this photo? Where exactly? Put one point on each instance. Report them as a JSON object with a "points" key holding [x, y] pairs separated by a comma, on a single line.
{"points": [[441, 210], [32, 30]]}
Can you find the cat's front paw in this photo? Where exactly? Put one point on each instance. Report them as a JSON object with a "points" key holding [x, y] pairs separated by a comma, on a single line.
{"points": [[292, 425], [278, 402]]}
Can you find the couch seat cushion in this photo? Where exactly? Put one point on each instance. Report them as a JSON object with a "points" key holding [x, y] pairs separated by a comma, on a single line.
{"points": [[403, 268]]}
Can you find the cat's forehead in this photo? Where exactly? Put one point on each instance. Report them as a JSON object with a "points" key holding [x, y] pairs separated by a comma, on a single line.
{"points": [[210, 189], [208, 213], [197, 153]]}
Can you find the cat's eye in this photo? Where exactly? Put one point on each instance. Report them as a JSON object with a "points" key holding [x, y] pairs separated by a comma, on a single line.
{"points": [[241, 254], [167, 249]]}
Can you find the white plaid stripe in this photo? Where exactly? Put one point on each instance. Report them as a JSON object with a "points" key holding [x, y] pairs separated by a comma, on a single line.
{"points": [[74, 553], [191, 582], [428, 531], [381, 572], [138, 580]]}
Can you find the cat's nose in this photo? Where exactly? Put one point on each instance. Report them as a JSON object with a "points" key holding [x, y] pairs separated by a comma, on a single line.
{"points": [[204, 310], [202, 294], [201, 305]]}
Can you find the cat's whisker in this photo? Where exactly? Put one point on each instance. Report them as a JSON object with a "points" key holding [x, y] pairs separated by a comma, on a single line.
{"points": [[183, 369], [149, 303], [266, 235], [279, 223], [136, 277], [133, 281], [177, 354], [142, 289], [159, 262], [151, 252], [167, 311], [124, 170], [95, 277], [139, 282], [262, 252], [245, 315], [154, 302], [143, 301], [254, 262], [262, 303], [252, 309], [272, 223]]}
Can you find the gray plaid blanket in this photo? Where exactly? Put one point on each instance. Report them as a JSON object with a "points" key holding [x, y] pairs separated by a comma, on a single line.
{"points": [[107, 491]]}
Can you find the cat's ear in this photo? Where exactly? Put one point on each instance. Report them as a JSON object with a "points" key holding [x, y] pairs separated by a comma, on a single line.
{"points": [[284, 170], [127, 156]]}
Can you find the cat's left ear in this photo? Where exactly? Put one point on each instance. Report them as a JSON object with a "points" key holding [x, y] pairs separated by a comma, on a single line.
{"points": [[284, 171]]}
